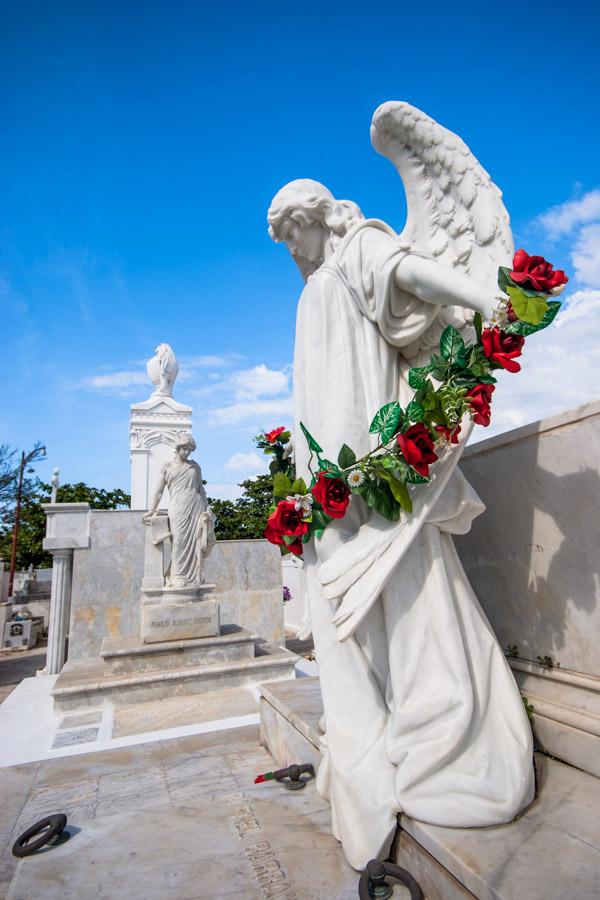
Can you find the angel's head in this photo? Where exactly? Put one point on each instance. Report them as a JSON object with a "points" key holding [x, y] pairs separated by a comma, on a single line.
{"points": [[308, 219]]}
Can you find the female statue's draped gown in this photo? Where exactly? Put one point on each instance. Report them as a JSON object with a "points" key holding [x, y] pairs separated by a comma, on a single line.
{"points": [[190, 523], [422, 713]]}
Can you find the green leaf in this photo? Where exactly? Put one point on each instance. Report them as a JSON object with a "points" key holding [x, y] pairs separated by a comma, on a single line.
{"points": [[504, 279], [530, 309], [380, 498], [320, 520], [346, 457], [415, 412], [282, 486], [477, 325], [299, 486], [398, 489], [526, 329], [325, 465], [451, 344], [386, 421], [312, 444]]}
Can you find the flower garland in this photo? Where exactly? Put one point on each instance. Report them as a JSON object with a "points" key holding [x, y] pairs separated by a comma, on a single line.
{"points": [[410, 439]]}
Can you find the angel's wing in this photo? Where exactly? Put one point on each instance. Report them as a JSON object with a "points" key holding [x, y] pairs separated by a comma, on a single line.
{"points": [[455, 211]]}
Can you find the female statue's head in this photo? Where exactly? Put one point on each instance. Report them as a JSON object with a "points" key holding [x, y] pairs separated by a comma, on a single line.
{"points": [[306, 217], [185, 444]]}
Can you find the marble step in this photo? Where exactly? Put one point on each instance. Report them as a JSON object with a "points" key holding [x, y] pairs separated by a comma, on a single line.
{"points": [[85, 684], [550, 852], [124, 655]]}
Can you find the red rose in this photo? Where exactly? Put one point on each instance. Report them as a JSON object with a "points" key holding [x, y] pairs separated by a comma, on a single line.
{"points": [[480, 398], [416, 447], [286, 519], [333, 495], [535, 273], [449, 434], [502, 348], [271, 436]]}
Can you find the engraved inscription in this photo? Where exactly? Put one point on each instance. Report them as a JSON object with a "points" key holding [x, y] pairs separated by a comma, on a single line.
{"points": [[266, 868]]}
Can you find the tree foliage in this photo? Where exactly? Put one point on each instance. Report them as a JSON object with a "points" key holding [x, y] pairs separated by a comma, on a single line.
{"points": [[247, 516], [33, 519]]}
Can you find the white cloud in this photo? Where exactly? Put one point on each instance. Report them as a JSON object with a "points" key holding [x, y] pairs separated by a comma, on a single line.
{"points": [[585, 255], [580, 305], [564, 218], [117, 381], [245, 462], [250, 384], [263, 413]]}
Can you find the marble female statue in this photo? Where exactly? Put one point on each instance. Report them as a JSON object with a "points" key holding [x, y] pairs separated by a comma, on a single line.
{"points": [[191, 523], [422, 714]]}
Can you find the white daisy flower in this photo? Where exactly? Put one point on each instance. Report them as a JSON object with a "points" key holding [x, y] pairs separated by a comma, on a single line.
{"points": [[302, 502], [355, 478]]}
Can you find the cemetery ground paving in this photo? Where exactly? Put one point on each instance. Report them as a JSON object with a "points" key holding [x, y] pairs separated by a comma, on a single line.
{"points": [[180, 818]]}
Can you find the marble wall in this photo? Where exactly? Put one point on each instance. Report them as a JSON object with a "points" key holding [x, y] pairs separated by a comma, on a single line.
{"points": [[533, 556], [107, 579]]}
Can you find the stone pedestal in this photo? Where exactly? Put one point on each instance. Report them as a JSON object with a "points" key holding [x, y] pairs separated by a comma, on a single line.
{"points": [[154, 425], [172, 614]]}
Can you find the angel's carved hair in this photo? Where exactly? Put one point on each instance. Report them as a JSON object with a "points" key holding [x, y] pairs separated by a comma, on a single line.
{"points": [[306, 201]]}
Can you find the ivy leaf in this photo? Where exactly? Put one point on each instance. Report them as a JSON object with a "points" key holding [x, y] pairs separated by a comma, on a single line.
{"points": [[451, 344], [346, 457], [417, 378], [413, 477], [530, 309], [504, 279], [477, 325], [299, 486], [386, 421], [526, 329], [282, 486], [312, 444], [380, 498], [325, 465], [415, 412]]}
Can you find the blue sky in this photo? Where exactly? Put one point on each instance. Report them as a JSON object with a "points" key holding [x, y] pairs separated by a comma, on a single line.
{"points": [[142, 143]]}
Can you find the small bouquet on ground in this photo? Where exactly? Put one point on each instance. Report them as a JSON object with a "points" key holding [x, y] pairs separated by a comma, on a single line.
{"points": [[457, 381]]}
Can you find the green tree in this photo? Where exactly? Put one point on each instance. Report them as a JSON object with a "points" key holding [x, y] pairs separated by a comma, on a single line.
{"points": [[33, 519], [247, 516]]}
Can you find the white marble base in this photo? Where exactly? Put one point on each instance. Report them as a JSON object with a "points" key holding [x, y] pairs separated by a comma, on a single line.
{"points": [[179, 621]]}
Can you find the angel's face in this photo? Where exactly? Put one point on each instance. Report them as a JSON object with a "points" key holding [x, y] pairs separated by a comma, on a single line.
{"points": [[306, 242]]}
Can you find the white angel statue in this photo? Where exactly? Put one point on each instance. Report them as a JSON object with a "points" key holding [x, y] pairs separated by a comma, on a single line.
{"points": [[422, 714]]}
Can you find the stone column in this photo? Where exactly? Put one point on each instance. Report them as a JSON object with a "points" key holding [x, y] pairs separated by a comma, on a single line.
{"points": [[67, 529], [154, 426], [60, 610]]}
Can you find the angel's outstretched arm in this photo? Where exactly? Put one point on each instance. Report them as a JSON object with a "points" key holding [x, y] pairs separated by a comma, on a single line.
{"points": [[434, 282]]}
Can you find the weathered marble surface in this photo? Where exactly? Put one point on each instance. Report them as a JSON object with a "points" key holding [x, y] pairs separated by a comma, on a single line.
{"points": [[533, 557], [107, 580], [122, 655], [178, 818]]}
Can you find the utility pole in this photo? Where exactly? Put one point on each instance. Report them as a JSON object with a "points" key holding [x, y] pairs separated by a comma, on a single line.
{"points": [[25, 460]]}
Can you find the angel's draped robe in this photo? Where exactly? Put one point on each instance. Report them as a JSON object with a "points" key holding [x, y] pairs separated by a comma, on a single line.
{"points": [[422, 713]]}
